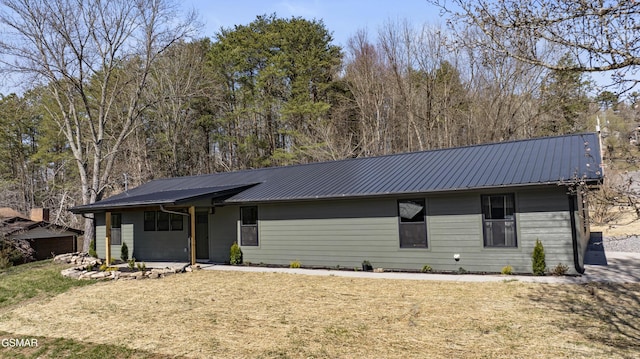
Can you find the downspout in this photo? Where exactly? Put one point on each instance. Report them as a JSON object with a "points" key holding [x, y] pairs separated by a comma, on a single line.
{"points": [[574, 235], [162, 209]]}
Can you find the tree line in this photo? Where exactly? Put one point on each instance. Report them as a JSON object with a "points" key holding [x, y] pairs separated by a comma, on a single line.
{"points": [[123, 92]]}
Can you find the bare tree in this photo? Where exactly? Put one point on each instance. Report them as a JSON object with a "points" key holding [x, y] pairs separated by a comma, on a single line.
{"points": [[598, 35], [94, 57]]}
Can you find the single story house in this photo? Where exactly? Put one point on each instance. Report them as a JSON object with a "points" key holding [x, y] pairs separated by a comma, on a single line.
{"points": [[479, 208], [46, 239]]}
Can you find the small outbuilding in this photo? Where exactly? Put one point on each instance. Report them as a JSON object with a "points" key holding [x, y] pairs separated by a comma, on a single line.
{"points": [[46, 239], [479, 208]]}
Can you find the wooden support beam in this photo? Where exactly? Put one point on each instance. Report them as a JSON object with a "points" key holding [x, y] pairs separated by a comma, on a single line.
{"points": [[107, 250], [192, 223]]}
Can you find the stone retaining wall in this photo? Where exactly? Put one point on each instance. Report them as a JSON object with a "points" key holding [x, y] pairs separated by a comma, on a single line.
{"points": [[85, 268]]}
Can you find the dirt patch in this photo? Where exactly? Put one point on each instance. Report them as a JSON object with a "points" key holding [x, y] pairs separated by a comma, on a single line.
{"points": [[210, 314]]}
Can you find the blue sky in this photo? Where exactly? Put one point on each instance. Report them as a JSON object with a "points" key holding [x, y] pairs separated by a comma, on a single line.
{"points": [[342, 18]]}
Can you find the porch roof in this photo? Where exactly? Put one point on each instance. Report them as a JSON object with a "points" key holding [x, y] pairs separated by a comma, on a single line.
{"points": [[149, 196]]}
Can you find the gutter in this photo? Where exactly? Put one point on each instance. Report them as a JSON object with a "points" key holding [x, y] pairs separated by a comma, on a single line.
{"points": [[162, 209]]}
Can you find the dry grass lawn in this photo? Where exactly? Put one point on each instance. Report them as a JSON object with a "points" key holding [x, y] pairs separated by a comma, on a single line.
{"points": [[212, 314], [624, 225]]}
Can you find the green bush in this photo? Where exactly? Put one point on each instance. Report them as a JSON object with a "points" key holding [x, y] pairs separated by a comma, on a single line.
{"points": [[560, 269], [124, 252], [235, 254], [366, 266], [538, 259], [132, 263], [295, 264], [507, 270], [426, 268], [92, 248]]}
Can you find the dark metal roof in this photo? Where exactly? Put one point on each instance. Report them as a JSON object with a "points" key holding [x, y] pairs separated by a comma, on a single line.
{"points": [[162, 192], [11, 225], [549, 160]]}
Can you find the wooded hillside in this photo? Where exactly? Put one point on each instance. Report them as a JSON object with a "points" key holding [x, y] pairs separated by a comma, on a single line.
{"points": [[122, 93]]}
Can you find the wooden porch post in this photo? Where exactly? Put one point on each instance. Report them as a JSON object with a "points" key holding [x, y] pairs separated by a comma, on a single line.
{"points": [[192, 223], [107, 250]]}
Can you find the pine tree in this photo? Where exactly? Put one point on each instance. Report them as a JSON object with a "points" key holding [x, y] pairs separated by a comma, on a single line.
{"points": [[538, 257]]}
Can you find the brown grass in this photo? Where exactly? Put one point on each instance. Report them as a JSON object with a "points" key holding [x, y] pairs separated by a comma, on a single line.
{"points": [[212, 314], [625, 224]]}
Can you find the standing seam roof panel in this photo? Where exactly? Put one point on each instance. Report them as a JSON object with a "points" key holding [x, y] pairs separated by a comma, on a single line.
{"points": [[542, 160]]}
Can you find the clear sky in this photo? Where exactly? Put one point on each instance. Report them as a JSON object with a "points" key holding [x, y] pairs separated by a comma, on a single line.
{"points": [[341, 17]]}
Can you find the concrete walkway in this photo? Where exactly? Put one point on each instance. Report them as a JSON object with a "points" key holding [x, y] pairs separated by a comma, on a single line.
{"points": [[620, 268], [612, 267]]}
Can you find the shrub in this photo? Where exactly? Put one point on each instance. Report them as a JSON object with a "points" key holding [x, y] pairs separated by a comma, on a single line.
{"points": [[295, 264], [462, 271], [112, 261], [426, 268], [538, 260], [142, 267], [507, 270], [132, 263], [235, 254], [92, 248], [103, 267], [124, 252], [366, 266], [560, 269], [14, 252], [5, 262]]}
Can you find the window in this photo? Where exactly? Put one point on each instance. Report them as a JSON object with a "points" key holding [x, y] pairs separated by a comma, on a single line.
{"points": [[116, 229], [413, 228], [149, 221], [249, 226], [164, 221], [176, 222], [498, 217]]}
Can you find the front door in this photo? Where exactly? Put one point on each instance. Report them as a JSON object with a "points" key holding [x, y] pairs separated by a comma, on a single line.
{"points": [[202, 235]]}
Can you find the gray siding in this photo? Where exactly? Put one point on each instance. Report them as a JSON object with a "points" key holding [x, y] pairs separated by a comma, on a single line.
{"points": [[160, 245], [346, 232], [100, 234], [222, 233], [128, 224]]}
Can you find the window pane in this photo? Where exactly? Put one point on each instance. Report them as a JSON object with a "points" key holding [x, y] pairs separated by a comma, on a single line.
{"points": [[149, 221], [249, 235], [413, 235], [163, 221], [497, 207], [249, 215], [509, 206], [116, 236], [499, 220], [176, 222], [413, 231], [411, 210], [116, 220]]}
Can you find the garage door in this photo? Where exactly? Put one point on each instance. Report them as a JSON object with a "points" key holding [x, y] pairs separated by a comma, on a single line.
{"points": [[49, 247]]}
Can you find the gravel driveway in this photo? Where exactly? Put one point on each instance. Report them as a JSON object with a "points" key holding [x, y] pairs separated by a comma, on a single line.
{"points": [[628, 244]]}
